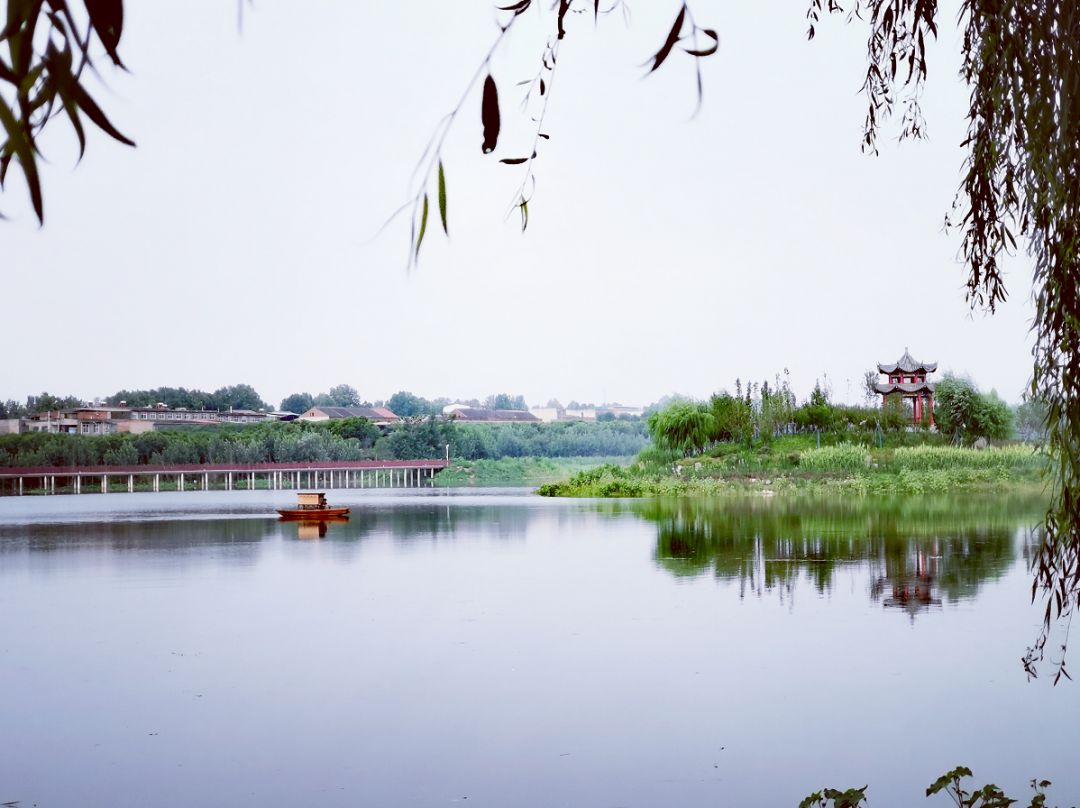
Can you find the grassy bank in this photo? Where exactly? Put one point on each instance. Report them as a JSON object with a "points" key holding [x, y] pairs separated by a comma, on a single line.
{"points": [[788, 465], [515, 471]]}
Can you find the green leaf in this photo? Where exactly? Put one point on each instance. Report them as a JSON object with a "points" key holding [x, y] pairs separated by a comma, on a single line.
{"points": [[442, 198], [423, 227], [23, 148]]}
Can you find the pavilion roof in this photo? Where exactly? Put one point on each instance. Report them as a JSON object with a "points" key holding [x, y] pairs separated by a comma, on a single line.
{"points": [[917, 387], [906, 364]]}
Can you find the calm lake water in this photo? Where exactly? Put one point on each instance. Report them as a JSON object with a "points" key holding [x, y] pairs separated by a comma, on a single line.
{"points": [[498, 649]]}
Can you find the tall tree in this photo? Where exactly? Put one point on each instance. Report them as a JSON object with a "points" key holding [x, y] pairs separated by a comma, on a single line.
{"points": [[505, 401], [298, 403], [408, 405], [237, 397], [340, 395], [47, 402]]}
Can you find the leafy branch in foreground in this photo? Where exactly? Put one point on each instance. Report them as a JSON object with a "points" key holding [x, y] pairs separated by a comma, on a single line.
{"points": [[989, 796], [48, 46], [694, 40]]}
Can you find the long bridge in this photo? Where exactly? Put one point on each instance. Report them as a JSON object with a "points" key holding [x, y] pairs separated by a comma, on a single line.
{"points": [[219, 476]]}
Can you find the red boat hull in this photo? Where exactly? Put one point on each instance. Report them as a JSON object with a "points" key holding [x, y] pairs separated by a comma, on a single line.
{"points": [[312, 513]]}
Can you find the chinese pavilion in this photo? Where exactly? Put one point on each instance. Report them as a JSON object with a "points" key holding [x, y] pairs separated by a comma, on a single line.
{"points": [[907, 378]]}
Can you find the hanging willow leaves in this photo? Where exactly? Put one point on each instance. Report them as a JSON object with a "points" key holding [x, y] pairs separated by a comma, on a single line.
{"points": [[711, 49], [69, 88], [19, 145], [107, 17], [564, 6], [517, 8], [669, 43], [489, 114], [442, 198], [423, 228], [45, 82]]}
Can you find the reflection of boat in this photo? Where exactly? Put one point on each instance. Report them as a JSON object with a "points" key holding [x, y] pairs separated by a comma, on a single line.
{"points": [[312, 505], [314, 528]]}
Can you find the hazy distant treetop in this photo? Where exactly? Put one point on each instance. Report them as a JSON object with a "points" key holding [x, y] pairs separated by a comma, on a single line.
{"points": [[340, 395], [298, 403], [505, 401], [46, 402], [408, 405], [236, 397]]}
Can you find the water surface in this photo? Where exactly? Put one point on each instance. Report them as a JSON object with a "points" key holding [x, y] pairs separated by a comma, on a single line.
{"points": [[500, 649]]}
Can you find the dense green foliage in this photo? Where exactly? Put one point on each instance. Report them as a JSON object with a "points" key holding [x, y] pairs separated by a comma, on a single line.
{"points": [[515, 471], [841, 457], [232, 397], [764, 412], [793, 463], [339, 439], [298, 403], [408, 405], [42, 403], [683, 426], [557, 439], [966, 414]]}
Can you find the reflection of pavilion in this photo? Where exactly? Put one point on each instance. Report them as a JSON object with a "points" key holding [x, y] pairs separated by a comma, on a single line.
{"points": [[913, 590]]}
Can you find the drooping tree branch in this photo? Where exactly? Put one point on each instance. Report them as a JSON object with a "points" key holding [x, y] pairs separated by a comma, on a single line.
{"points": [[1021, 184], [684, 35], [48, 45]]}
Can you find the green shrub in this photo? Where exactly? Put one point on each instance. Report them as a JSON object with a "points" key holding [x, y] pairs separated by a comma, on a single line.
{"points": [[955, 457], [842, 457]]}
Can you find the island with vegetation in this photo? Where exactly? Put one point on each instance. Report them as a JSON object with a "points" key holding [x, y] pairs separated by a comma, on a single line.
{"points": [[758, 439]]}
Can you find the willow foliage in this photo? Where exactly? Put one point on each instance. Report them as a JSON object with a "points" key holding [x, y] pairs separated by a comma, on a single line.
{"points": [[1020, 188]]}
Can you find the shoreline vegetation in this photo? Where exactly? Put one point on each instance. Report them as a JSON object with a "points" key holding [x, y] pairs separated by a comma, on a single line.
{"points": [[789, 465], [519, 471], [761, 440]]}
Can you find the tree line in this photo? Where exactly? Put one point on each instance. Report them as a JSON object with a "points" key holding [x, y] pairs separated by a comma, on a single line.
{"points": [[340, 439], [244, 397]]}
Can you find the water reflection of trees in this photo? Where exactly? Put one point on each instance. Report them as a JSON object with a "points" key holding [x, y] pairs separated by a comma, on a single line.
{"points": [[239, 538], [165, 541], [916, 552]]}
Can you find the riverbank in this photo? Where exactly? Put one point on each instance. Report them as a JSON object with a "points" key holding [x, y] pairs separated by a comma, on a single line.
{"points": [[843, 468], [526, 471]]}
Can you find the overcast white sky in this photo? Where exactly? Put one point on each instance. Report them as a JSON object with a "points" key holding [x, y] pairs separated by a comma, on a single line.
{"points": [[663, 254]]}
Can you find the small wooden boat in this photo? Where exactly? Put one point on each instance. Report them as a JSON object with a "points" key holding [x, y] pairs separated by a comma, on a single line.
{"points": [[312, 505]]}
